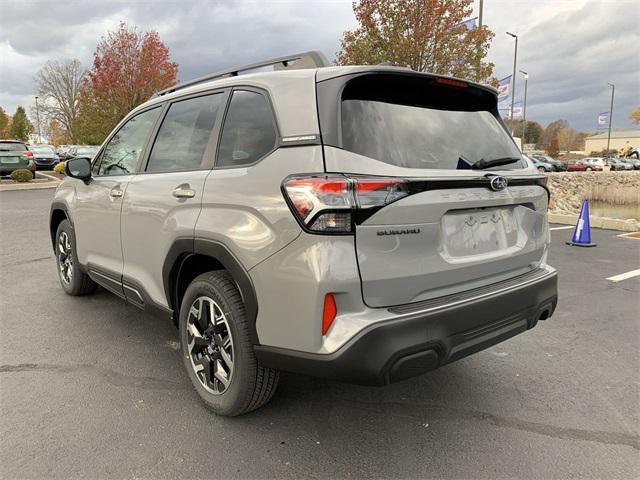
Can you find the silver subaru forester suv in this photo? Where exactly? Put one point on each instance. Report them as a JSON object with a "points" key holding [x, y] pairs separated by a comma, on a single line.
{"points": [[364, 223]]}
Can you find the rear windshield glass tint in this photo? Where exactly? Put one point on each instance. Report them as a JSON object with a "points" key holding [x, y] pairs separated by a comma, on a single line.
{"points": [[418, 123], [42, 150], [12, 147]]}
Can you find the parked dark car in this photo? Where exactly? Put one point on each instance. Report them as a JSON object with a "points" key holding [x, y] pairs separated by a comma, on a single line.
{"points": [[15, 155], [582, 166], [82, 151], [558, 166], [45, 156]]}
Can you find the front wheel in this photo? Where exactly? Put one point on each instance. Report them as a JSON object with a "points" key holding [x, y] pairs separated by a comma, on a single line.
{"points": [[217, 348], [541, 169], [73, 280]]}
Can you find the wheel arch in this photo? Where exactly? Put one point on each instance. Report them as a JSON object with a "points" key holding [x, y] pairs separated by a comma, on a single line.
{"points": [[187, 258], [57, 215]]}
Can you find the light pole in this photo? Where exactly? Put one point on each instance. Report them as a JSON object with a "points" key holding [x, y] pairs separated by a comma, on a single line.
{"points": [[480, 13], [513, 78], [613, 90], [38, 120], [524, 108]]}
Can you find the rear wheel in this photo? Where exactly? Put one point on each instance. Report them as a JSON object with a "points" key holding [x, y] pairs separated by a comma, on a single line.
{"points": [[73, 280], [217, 348], [588, 169]]}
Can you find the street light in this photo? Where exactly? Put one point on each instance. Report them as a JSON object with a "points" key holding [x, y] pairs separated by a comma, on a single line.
{"points": [[613, 90], [38, 120], [524, 108], [513, 77]]}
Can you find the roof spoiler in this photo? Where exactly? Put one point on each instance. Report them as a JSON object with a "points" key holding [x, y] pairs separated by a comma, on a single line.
{"points": [[311, 59]]}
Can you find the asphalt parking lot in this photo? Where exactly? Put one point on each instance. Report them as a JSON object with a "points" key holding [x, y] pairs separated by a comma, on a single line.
{"points": [[92, 387]]}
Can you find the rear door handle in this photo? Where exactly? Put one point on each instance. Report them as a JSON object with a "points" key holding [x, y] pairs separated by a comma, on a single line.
{"points": [[182, 192], [116, 192]]}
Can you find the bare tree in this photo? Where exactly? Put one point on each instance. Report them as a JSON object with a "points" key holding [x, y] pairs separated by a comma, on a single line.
{"points": [[58, 86]]}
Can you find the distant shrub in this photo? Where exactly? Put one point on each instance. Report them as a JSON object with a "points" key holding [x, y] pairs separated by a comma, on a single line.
{"points": [[59, 168], [22, 175]]}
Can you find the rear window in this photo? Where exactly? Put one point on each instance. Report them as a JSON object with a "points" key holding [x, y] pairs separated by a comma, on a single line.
{"points": [[415, 122], [42, 150], [12, 147]]}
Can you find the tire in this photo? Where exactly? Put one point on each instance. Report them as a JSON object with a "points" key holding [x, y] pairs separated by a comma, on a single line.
{"points": [[588, 169], [541, 169], [239, 383], [73, 280]]}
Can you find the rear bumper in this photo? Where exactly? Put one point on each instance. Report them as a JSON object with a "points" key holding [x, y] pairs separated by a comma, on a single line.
{"points": [[429, 335]]}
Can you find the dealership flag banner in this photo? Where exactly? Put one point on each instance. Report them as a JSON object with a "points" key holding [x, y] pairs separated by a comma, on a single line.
{"points": [[471, 23], [603, 120], [517, 110], [504, 86]]}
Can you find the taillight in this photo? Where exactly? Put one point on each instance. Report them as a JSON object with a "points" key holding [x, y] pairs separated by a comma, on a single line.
{"points": [[330, 203], [28, 153]]}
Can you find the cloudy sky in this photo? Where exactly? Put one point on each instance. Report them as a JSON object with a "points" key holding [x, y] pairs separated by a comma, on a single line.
{"points": [[571, 48]]}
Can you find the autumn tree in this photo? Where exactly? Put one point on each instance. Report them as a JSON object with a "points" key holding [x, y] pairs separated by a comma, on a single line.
{"points": [[634, 116], [566, 138], [424, 35], [550, 133], [128, 67], [58, 86], [21, 127], [5, 124]]}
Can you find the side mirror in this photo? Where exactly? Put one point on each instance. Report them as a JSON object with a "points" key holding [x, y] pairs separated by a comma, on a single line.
{"points": [[79, 167]]}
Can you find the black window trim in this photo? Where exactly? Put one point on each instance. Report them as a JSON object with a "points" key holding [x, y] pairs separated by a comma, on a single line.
{"points": [[98, 158], [217, 129], [278, 137]]}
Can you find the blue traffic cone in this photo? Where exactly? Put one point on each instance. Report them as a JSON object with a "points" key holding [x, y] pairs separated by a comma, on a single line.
{"points": [[582, 233]]}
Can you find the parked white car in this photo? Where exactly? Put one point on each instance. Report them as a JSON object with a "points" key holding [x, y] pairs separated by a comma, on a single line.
{"points": [[595, 161]]}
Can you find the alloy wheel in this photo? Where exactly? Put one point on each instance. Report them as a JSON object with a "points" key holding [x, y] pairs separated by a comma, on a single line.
{"points": [[65, 258], [210, 345]]}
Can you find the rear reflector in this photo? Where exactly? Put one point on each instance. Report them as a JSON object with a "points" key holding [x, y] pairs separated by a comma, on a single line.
{"points": [[328, 312]]}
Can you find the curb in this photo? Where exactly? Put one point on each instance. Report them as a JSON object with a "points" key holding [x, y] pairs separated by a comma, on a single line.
{"points": [[597, 222]]}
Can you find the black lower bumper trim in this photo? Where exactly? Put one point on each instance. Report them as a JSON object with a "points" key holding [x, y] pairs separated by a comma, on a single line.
{"points": [[414, 344]]}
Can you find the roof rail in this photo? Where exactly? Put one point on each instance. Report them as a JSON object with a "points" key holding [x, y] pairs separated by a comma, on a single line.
{"points": [[311, 59]]}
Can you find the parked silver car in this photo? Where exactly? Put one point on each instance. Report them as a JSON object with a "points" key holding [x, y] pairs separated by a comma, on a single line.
{"points": [[365, 223]]}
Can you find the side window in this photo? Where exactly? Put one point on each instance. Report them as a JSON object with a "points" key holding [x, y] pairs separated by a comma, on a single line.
{"points": [[121, 154], [249, 132], [185, 134]]}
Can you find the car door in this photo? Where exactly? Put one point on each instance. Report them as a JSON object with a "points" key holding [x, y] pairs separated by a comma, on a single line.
{"points": [[162, 203], [96, 213]]}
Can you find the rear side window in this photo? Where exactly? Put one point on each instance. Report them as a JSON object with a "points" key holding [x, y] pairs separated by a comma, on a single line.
{"points": [[417, 122], [185, 134], [249, 131], [12, 147]]}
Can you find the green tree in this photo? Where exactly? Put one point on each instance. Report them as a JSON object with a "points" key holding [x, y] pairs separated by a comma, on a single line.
{"points": [[21, 127], [424, 35], [5, 123], [635, 116], [532, 133]]}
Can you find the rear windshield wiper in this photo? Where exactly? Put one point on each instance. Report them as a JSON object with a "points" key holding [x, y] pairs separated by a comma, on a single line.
{"points": [[495, 162]]}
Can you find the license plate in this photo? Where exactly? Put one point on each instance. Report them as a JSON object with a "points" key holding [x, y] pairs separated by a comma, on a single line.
{"points": [[477, 232]]}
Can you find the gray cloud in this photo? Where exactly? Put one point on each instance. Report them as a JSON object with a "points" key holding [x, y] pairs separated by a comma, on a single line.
{"points": [[570, 48]]}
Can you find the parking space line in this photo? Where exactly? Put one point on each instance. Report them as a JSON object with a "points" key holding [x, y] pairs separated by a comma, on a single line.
{"points": [[624, 276], [562, 228]]}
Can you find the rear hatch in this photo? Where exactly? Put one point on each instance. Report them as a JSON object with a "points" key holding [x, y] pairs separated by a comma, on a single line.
{"points": [[13, 155], [445, 220]]}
